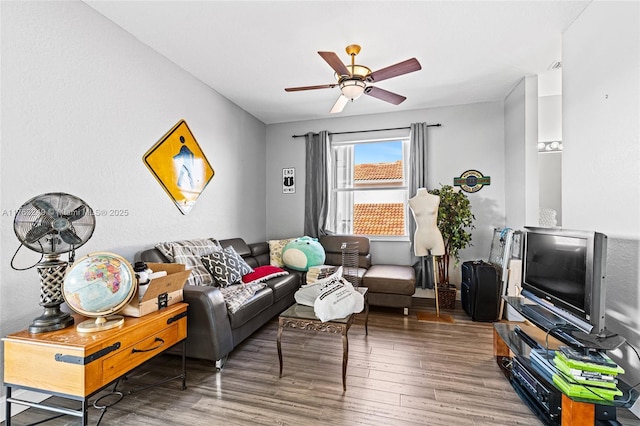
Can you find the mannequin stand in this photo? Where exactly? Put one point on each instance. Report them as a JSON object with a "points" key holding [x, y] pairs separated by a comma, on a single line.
{"points": [[429, 316], [434, 259]]}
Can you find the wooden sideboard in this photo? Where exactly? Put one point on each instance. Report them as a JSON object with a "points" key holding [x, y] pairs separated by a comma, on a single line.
{"points": [[77, 365]]}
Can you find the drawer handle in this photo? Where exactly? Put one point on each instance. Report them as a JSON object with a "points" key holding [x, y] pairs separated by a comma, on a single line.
{"points": [[157, 339]]}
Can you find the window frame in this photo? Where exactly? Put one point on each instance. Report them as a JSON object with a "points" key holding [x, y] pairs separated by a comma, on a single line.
{"points": [[334, 191]]}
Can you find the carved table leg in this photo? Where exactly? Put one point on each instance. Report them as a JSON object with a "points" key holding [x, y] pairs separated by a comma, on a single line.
{"points": [[279, 340]]}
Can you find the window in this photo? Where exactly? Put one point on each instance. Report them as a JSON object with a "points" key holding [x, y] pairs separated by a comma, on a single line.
{"points": [[368, 181]]}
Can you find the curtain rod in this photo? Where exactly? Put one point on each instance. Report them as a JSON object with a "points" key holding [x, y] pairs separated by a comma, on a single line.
{"points": [[373, 130]]}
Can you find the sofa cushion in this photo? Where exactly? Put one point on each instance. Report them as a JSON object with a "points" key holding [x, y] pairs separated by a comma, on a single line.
{"points": [[284, 285], [391, 279], [275, 251], [262, 300], [226, 266], [189, 253], [263, 273]]}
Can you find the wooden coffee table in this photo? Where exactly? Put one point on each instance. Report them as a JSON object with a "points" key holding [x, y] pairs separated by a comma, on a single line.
{"points": [[303, 317]]}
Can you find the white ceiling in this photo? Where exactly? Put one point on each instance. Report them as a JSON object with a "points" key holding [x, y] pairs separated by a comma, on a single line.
{"points": [[249, 51]]}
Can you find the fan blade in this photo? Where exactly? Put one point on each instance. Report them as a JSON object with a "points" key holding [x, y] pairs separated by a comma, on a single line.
{"points": [[322, 86], [385, 95], [76, 214], [45, 208], [334, 62], [36, 233], [404, 67], [70, 237], [339, 105]]}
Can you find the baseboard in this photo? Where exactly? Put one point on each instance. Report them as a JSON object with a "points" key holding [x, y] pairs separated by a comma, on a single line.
{"points": [[23, 394]]}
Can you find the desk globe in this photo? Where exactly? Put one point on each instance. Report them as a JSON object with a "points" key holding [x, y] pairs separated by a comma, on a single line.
{"points": [[99, 285]]}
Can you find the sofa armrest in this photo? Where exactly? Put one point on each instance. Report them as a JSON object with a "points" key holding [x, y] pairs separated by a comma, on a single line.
{"points": [[208, 329]]}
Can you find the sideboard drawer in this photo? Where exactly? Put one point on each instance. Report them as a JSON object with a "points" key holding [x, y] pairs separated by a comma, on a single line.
{"points": [[130, 357]]}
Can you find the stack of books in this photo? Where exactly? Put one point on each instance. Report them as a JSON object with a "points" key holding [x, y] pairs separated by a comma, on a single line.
{"points": [[319, 272], [588, 375]]}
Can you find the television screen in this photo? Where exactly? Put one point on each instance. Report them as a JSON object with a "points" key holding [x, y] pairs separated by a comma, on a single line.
{"points": [[564, 271], [556, 266]]}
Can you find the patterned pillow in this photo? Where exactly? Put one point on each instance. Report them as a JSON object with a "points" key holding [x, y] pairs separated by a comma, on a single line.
{"points": [[189, 253], [275, 251], [226, 266]]}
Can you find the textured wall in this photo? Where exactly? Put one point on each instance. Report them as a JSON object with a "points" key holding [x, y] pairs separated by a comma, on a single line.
{"points": [[471, 137], [82, 101]]}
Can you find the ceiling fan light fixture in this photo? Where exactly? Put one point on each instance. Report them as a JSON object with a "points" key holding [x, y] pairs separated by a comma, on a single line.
{"points": [[352, 88]]}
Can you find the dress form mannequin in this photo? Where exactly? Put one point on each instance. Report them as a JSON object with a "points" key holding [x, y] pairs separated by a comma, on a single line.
{"points": [[427, 239]]}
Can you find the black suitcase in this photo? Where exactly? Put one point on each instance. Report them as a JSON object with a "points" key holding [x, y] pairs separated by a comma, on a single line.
{"points": [[480, 290]]}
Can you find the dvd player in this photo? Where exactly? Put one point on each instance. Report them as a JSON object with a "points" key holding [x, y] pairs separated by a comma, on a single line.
{"points": [[547, 396]]}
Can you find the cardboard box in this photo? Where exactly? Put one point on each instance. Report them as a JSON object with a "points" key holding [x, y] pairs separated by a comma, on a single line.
{"points": [[163, 291]]}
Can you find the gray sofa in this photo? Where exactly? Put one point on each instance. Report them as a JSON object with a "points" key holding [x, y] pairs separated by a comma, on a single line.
{"points": [[212, 331], [391, 286]]}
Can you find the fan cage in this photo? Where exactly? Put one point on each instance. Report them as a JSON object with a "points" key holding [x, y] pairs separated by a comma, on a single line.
{"points": [[62, 205]]}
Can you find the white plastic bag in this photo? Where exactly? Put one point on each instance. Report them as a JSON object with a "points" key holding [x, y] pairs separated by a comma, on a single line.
{"points": [[307, 294], [337, 299]]}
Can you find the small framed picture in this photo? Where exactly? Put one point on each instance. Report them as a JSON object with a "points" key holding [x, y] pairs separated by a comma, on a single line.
{"points": [[289, 180]]}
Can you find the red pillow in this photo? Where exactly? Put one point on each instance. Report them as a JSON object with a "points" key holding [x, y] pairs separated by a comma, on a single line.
{"points": [[263, 273]]}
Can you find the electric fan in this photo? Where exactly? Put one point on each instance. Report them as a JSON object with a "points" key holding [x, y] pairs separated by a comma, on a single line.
{"points": [[52, 224]]}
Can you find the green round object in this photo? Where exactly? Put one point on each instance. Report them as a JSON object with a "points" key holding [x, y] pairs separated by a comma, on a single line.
{"points": [[99, 284]]}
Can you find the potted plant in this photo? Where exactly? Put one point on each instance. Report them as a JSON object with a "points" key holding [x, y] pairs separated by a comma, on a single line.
{"points": [[455, 220]]}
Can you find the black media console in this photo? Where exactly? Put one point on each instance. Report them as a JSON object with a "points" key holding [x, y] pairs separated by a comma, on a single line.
{"points": [[513, 344]]}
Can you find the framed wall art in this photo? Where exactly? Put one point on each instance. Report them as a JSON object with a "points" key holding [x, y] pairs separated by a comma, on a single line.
{"points": [[180, 166], [289, 180]]}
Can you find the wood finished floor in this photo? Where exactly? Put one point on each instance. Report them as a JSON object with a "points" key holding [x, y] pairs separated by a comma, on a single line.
{"points": [[405, 372]]}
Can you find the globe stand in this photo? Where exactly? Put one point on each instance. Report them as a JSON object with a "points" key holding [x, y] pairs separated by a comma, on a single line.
{"points": [[100, 324], [51, 273]]}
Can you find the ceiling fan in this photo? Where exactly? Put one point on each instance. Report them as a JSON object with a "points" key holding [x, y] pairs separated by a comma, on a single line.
{"points": [[353, 79]]}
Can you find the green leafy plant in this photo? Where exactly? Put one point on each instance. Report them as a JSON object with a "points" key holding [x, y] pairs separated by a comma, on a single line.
{"points": [[455, 220]]}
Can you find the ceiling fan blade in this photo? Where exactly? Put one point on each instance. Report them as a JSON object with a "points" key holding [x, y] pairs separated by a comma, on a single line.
{"points": [[70, 237], [36, 233], [334, 62], [404, 67], [339, 105], [385, 95], [321, 86]]}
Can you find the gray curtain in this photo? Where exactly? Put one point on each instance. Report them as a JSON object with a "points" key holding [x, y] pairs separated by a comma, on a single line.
{"points": [[418, 179], [316, 194]]}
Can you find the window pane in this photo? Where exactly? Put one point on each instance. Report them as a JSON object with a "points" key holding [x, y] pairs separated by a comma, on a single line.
{"points": [[379, 212], [370, 194]]}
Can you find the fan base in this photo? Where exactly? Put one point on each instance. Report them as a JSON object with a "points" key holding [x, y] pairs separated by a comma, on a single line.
{"points": [[100, 324], [51, 320]]}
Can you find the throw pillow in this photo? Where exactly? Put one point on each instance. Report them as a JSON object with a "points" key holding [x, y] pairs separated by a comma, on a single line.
{"points": [[275, 251], [189, 252], [263, 273], [226, 266]]}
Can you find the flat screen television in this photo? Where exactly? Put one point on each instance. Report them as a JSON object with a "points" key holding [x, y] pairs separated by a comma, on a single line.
{"points": [[564, 271]]}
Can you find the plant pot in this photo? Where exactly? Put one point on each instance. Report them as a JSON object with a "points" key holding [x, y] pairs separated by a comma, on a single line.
{"points": [[447, 297]]}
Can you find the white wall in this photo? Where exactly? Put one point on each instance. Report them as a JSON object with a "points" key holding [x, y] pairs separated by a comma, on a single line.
{"points": [[521, 154], [471, 137], [82, 101], [601, 158]]}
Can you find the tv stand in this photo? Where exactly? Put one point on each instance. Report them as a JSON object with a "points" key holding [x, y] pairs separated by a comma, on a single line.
{"points": [[513, 342]]}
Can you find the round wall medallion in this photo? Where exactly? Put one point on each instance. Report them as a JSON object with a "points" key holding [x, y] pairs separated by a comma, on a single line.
{"points": [[471, 181]]}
